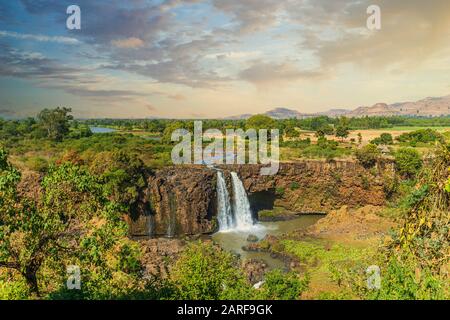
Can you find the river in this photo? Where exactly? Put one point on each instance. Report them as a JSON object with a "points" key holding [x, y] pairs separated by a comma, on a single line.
{"points": [[233, 241]]}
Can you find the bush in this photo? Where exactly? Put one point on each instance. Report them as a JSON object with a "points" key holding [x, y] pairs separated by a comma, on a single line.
{"points": [[368, 155], [13, 290], [404, 281], [280, 191], [206, 272], [283, 286], [294, 185], [384, 138], [422, 135], [408, 162]]}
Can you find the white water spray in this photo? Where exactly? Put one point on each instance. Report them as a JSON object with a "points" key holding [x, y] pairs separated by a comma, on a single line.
{"points": [[225, 215], [242, 212]]}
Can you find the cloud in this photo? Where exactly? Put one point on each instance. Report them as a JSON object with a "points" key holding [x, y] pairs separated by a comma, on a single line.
{"points": [[251, 15], [411, 32], [267, 72], [177, 97], [129, 43], [40, 38]]}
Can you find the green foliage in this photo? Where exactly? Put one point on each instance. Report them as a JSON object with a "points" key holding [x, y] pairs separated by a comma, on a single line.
{"points": [[421, 136], [368, 155], [294, 185], [122, 175], [324, 129], [401, 279], [173, 126], [260, 121], [342, 131], [408, 162], [73, 223], [205, 272], [13, 289], [280, 191], [55, 122], [383, 139], [283, 286]]}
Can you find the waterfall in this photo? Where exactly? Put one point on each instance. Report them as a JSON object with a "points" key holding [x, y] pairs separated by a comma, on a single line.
{"points": [[237, 216], [242, 212], [225, 215]]}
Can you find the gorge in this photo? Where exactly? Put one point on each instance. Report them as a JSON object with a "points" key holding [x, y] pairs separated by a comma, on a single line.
{"points": [[195, 199]]}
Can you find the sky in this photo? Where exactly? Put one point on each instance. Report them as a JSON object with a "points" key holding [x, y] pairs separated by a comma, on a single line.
{"points": [[219, 58]]}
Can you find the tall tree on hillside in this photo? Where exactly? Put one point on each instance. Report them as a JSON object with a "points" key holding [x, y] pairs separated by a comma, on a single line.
{"points": [[55, 122]]}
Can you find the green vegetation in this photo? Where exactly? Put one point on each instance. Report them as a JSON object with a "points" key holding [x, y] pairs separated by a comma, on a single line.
{"points": [[73, 222], [89, 182], [368, 155], [205, 272], [420, 136], [408, 162], [384, 138], [283, 286]]}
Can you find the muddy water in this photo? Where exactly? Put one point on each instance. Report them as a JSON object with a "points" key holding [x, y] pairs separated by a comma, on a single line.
{"points": [[234, 240]]}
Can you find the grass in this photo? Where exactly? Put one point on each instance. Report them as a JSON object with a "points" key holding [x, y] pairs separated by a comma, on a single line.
{"points": [[323, 261], [276, 212]]}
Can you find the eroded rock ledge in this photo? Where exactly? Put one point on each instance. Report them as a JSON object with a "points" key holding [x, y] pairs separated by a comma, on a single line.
{"points": [[184, 198]]}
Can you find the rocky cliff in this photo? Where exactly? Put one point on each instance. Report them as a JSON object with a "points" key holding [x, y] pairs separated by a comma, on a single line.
{"points": [[183, 201], [184, 198]]}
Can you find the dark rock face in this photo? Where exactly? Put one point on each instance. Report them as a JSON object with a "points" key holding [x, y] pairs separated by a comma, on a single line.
{"points": [[184, 199], [317, 186]]}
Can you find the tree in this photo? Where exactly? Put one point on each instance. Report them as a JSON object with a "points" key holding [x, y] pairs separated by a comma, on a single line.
{"points": [[73, 222], [342, 131], [260, 121], [359, 138], [324, 129], [408, 162], [368, 155], [55, 122], [384, 138], [123, 176]]}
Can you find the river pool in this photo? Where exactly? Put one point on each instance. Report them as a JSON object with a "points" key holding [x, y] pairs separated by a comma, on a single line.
{"points": [[233, 241]]}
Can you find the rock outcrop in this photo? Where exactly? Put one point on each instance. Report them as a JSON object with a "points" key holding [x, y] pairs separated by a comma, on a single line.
{"points": [[318, 186], [184, 198], [183, 201]]}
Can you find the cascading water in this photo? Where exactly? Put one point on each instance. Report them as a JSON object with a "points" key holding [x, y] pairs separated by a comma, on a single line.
{"points": [[225, 215], [242, 212], [236, 217]]}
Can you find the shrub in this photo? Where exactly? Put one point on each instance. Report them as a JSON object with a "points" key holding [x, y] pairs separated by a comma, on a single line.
{"points": [[422, 135], [384, 138], [283, 286], [368, 155], [408, 162], [294, 185], [280, 191], [13, 290], [206, 272]]}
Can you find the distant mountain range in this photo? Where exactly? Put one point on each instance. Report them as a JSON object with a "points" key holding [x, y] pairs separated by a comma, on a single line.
{"points": [[428, 107]]}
